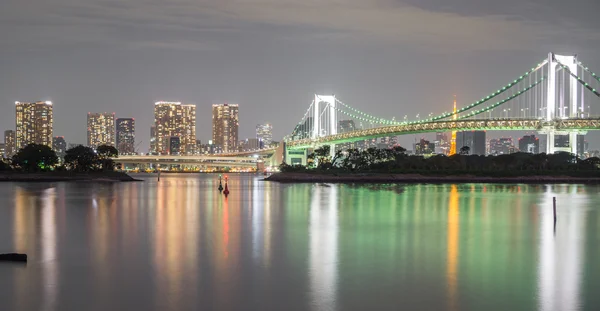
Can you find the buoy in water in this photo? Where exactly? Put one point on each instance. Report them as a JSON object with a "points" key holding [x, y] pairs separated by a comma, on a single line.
{"points": [[220, 184], [226, 191]]}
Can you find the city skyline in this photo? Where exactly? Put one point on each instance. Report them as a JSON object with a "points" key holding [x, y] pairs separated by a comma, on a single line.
{"points": [[124, 57]]}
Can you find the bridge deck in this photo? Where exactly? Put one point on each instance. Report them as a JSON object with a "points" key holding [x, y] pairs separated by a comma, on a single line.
{"points": [[451, 125]]}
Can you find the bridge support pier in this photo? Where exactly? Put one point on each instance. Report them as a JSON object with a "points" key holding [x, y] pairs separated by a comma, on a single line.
{"points": [[552, 135]]}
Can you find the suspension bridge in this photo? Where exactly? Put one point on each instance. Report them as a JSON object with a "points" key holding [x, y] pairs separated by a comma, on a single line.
{"points": [[558, 96]]}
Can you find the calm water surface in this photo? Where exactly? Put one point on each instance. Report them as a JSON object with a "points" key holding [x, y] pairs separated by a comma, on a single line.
{"points": [[179, 245]]}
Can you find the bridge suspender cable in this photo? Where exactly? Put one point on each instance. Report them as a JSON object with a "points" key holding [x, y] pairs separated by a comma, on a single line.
{"points": [[448, 114], [589, 71], [586, 85]]}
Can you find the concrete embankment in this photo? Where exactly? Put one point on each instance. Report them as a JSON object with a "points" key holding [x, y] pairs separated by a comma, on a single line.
{"points": [[416, 178]]}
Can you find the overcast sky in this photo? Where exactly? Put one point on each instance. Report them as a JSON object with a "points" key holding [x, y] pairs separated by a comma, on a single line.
{"points": [[386, 57]]}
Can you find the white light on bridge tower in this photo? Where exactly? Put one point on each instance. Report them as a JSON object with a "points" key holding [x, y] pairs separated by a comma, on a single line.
{"points": [[324, 106], [554, 64]]}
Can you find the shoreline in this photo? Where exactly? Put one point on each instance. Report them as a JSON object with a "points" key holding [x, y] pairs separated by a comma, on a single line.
{"points": [[65, 177], [417, 178]]}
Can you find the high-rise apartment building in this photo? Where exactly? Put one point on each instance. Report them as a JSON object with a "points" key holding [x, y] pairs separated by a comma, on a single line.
{"points": [[34, 124], [125, 137], [475, 140], [424, 147], [100, 129], [59, 145], [172, 119], [225, 126], [529, 143], [153, 146], [250, 144], [264, 133], [9, 143], [442, 143], [388, 142], [503, 145]]}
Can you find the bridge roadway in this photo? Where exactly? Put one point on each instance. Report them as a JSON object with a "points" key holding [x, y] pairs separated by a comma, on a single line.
{"points": [[202, 160], [581, 124]]}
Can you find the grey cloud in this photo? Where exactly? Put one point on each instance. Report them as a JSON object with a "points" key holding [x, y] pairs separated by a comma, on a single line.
{"points": [[434, 26]]}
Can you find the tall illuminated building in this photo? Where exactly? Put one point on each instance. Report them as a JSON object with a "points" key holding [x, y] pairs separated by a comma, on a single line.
{"points": [[9, 143], [34, 124], [453, 134], [100, 129], [172, 119], [475, 140], [125, 135], [59, 145], [153, 146], [442, 145], [225, 126], [264, 133], [188, 140]]}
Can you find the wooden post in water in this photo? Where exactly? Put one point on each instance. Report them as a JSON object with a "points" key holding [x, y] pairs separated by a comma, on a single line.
{"points": [[554, 208], [158, 175]]}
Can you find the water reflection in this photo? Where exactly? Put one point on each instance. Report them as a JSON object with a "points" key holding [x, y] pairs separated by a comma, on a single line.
{"points": [[453, 232], [36, 223], [323, 247], [180, 245], [561, 259]]}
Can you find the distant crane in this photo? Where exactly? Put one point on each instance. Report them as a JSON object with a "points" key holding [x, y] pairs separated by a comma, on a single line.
{"points": [[137, 147]]}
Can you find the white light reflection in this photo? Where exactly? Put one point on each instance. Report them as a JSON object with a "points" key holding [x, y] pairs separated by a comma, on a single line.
{"points": [[257, 222], [261, 225], [48, 245], [560, 254], [324, 247]]}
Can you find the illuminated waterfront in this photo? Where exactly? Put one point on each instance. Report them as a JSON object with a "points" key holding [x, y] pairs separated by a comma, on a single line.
{"points": [[179, 245]]}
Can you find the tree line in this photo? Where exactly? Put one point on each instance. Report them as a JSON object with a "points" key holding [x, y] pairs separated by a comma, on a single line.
{"points": [[41, 158], [396, 160]]}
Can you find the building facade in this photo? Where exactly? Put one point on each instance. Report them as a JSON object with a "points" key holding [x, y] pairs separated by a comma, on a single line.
{"points": [[153, 145], [59, 145], [388, 142], [34, 124], [475, 140], [529, 143], [225, 126], [424, 147], [250, 144], [442, 143], [264, 133], [100, 129], [9, 143], [125, 136], [172, 119], [503, 145]]}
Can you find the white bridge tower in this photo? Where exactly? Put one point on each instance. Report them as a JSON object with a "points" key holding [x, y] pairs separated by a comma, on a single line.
{"points": [[324, 116], [556, 103]]}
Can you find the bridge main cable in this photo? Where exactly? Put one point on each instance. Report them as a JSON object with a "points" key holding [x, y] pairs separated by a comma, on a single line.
{"points": [[374, 119]]}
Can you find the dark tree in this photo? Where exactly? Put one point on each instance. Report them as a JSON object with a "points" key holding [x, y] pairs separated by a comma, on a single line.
{"points": [[106, 153], [82, 159], [35, 158], [464, 150], [4, 165]]}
